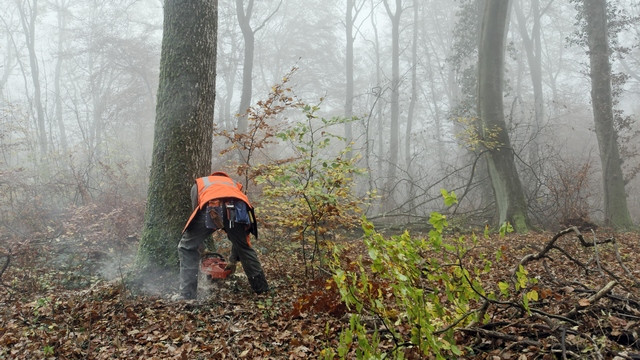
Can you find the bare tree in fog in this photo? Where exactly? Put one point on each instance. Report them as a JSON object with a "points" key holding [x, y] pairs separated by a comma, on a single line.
{"points": [[28, 17], [394, 16], [244, 19], [354, 7], [408, 156], [229, 57], [62, 11], [533, 48]]}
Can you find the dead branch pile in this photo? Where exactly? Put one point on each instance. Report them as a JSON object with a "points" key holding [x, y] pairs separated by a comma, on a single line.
{"points": [[587, 308]]}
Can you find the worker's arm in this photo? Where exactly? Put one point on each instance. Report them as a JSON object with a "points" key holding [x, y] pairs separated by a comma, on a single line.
{"points": [[194, 196]]}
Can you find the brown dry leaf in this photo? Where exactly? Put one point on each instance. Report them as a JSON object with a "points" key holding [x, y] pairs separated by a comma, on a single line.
{"points": [[584, 302], [244, 353]]}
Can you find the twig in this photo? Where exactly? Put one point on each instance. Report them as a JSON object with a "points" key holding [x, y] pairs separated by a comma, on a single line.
{"points": [[563, 343], [593, 298], [550, 245], [502, 336], [482, 310], [555, 316], [624, 267], [595, 251]]}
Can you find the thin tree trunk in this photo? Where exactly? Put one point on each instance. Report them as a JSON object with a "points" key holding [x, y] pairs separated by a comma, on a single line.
{"points": [[412, 103], [395, 97], [28, 21], [533, 47], [244, 19], [62, 23], [7, 66], [348, 104]]}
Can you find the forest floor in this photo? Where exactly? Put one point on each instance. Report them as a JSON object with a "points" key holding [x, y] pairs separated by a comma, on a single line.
{"points": [[62, 296]]}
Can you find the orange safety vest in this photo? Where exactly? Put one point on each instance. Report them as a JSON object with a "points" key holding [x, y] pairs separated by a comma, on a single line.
{"points": [[217, 186]]}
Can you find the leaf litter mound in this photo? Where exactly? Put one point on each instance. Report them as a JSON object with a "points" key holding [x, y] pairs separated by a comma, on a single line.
{"points": [[58, 303]]}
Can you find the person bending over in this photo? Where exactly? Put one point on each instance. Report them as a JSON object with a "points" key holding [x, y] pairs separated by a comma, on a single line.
{"points": [[219, 203]]}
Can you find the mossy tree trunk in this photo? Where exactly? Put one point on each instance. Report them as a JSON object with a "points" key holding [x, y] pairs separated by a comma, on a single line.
{"points": [[510, 201], [616, 211], [183, 128]]}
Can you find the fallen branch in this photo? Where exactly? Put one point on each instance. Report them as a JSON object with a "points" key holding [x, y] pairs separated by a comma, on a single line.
{"points": [[592, 299], [551, 245], [502, 336], [623, 266]]}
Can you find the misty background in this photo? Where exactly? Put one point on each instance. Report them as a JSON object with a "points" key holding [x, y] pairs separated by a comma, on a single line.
{"points": [[78, 83]]}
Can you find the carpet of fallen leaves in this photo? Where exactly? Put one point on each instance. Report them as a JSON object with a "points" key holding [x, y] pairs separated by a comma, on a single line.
{"points": [[62, 296]]}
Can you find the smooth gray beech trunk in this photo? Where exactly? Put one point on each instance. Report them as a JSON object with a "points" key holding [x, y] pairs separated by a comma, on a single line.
{"points": [[394, 16], [507, 188], [616, 212], [183, 128]]}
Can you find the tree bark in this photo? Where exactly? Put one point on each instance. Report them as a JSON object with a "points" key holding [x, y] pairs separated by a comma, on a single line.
{"points": [[244, 20], [395, 96], [348, 103], [62, 24], [616, 212], [532, 46], [248, 33], [28, 18], [507, 188], [183, 127]]}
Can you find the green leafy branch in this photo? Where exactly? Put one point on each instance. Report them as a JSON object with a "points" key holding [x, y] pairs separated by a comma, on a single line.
{"points": [[311, 190]]}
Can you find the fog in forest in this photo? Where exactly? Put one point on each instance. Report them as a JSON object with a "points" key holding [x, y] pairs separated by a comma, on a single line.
{"points": [[79, 80]]}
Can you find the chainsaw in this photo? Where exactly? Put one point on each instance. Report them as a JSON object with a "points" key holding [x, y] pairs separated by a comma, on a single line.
{"points": [[213, 266]]}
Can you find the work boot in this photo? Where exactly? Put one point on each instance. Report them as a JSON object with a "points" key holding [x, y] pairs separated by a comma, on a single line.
{"points": [[231, 266], [259, 284]]}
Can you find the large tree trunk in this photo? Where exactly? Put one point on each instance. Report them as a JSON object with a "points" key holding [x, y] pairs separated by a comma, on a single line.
{"points": [[615, 199], [183, 128], [507, 188]]}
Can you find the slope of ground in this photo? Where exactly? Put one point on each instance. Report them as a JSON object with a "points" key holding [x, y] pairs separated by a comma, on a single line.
{"points": [[63, 297]]}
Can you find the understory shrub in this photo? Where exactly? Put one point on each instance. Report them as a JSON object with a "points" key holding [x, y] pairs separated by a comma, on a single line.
{"points": [[409, 294]]}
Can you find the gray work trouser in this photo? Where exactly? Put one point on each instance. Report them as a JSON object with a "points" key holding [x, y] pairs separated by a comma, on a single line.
{"points": [[188, 251]]}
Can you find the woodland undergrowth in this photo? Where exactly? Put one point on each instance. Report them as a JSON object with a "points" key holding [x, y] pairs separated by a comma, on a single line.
{"points": [[568, 294]]}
